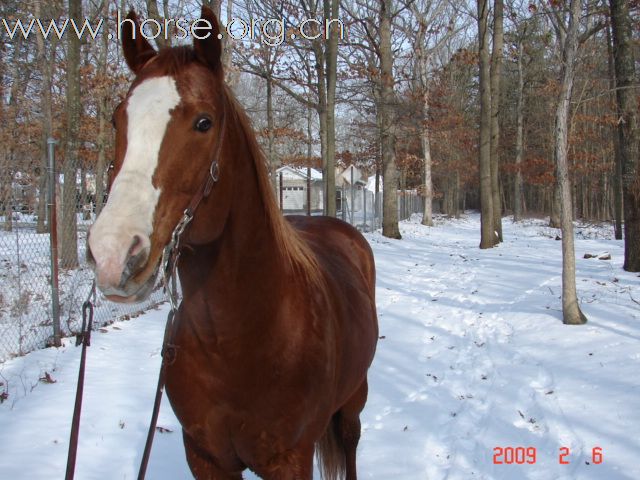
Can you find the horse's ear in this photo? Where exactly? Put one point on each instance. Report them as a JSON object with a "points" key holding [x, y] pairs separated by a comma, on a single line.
{"points": [[209, 49], [137, 50]]}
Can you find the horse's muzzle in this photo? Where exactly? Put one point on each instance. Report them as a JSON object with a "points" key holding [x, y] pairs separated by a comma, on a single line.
{"points": [[117, 275]]}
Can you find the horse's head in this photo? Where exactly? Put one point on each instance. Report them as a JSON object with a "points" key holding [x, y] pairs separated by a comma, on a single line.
{"points": [[167, 131]]}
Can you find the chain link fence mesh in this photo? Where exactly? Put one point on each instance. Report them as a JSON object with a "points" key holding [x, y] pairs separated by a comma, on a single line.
{"points": [[26, 318]]}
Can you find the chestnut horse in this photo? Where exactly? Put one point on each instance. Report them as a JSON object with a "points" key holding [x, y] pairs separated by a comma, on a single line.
{"points": [[277, 326]]}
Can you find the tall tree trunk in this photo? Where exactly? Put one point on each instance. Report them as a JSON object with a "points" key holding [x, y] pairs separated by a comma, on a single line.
{"points": [[517, 190], [69, 235], [46, 66], [617, 173], [487, 232], [309, 156], [215, 5], [227, 51], [496, 68], [422, 87], [554, 217], [388, 135], [84, 195], [571, 313], [101, 164], [628, 130], [12, 126], [164, 38], [328, 189], [273, 166], [425, 142], [331, 11]]}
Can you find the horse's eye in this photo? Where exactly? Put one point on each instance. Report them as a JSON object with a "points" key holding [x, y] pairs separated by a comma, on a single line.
{"points": [[203, 124]]}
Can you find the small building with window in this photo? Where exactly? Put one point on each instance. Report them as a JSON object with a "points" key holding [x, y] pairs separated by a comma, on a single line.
{"points": [[294, 189]]}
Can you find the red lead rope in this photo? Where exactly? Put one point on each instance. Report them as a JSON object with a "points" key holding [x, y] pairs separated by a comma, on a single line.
{"points": [[84, 338], [168, 355]]}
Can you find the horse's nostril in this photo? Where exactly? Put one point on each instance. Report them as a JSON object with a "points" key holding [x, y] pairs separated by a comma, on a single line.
{"points": [[136, 257], [136, 246]]}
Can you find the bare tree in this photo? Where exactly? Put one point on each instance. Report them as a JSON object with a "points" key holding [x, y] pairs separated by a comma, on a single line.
{"points": [[164, 39], [375, 52], [434, 27], [488, 237], [69, 231], [102, 113], [628, 129], [46, 63], [387, 124], [617, 176], [10, 113], [292, 75], [518, 186], [495, 77], [568, 43], [261, 60]]}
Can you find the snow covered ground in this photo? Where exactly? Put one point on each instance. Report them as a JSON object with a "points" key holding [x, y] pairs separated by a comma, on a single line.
{"points": [[473, 358]]}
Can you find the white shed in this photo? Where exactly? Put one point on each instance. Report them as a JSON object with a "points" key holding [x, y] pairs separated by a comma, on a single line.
{"points": [[294, 188]]}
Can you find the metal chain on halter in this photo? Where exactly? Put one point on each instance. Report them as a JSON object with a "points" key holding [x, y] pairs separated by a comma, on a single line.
{"points": [[168, 264], [170, 256], [83, 338]]}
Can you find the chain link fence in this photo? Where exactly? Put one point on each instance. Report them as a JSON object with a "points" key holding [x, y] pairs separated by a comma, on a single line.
{"points": [[362, 208], [27, 307], [35, 290]]}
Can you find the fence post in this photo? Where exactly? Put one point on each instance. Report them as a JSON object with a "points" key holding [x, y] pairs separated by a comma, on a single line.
{"points": [[364, 207], [53, 242], [353, 206], [309, 191], [281, 189]]}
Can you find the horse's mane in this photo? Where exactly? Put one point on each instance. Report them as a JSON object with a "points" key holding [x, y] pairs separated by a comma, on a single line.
{"points": [[294, 249]]}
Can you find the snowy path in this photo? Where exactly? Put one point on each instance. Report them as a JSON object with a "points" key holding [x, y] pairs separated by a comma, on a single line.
{"points": [[472, 356]]}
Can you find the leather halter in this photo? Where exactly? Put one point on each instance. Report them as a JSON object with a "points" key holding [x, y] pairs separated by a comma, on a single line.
{"points": [[171, 252], [170, 257]]}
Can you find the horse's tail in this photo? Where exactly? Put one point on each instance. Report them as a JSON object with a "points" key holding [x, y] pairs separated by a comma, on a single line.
{"points": [[330, 452]]}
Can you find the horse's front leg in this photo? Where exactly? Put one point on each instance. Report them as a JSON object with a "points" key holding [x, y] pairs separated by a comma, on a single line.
{"points": [[202, 466], [296, 464]]}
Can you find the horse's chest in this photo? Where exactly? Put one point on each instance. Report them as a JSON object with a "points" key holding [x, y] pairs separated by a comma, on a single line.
{"points": [[226, 388]]}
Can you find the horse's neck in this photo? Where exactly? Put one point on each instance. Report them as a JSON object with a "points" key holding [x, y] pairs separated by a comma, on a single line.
{"points": [[246, 254]]}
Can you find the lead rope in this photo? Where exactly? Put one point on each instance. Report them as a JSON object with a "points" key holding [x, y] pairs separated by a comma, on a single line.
{"points": [[169, 260], [84, 338]]}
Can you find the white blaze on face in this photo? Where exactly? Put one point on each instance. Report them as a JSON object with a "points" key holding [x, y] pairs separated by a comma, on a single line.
{"points": [[132, 200]]}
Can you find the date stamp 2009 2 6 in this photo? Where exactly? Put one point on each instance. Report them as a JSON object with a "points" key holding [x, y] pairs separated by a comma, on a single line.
{"points": [[529, 456]]}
